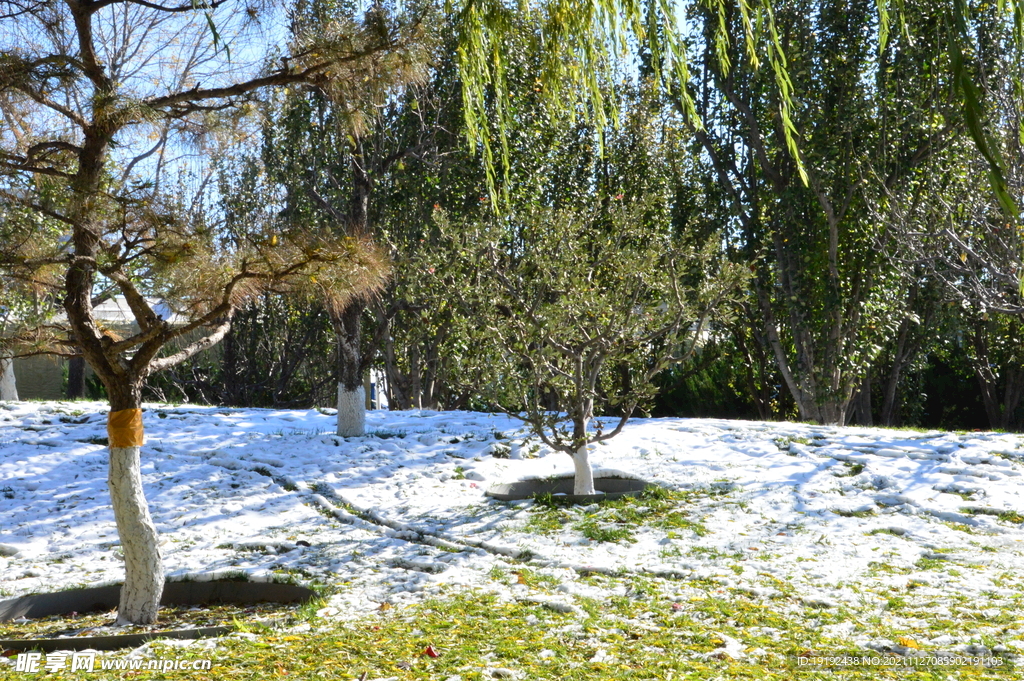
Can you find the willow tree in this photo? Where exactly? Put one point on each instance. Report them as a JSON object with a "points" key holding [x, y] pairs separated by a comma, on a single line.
{"points": [[109, 108]]}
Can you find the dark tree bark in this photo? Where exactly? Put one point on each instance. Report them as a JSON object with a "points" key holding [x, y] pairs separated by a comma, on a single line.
{"points": [[348, 331], [860, 413], [76, 378], [999, 408]]}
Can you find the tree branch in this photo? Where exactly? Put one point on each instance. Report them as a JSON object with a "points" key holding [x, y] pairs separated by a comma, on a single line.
{"points": [[185, 353], [206, 5]]}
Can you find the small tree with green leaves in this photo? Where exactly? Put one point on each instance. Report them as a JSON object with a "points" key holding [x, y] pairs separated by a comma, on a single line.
{"points": [[579, 311]]}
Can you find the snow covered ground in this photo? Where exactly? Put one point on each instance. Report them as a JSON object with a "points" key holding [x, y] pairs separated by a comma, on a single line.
{"points": [[836, 516]]}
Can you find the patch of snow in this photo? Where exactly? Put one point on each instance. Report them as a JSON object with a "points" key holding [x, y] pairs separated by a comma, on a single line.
{"points": [[392, 514]]}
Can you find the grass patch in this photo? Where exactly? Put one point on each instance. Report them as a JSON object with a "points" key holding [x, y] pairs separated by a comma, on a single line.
{"points": [[1011, 517], [654, 632], [535, 579], [852, 469], [885, 530], [931, 563], [387, 434], [594, 531], [783, 442], [259, 615], [865, 513], [612, 520], [545, 523], [889, 569], [1014, 517]]}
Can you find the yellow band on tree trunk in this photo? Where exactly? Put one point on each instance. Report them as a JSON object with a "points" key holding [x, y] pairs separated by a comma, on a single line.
{"points": [[124, 428]]}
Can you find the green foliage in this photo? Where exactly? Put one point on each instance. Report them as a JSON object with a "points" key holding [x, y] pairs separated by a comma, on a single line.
{"points": [[27, 305], [580, 310], [828, 290], [717, 382], [581, 47], [852, 469], [865, 513]]}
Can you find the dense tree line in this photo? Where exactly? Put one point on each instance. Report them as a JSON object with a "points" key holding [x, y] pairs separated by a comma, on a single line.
{"points": [[884, 286]]}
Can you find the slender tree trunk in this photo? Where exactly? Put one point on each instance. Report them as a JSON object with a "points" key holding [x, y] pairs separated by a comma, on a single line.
{"points": [[899, 359], [8, 384], [351, 395], [396, 392], [802, 388], [987, 378], [430, 371], [414, 376], [583, 483], [860, 406], [755, 368], [987, 383], [348, 324], [230, 389], [76, 378]]}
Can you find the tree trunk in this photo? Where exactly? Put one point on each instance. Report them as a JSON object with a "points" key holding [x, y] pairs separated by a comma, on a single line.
{"points": [[8, 384], [581, 414], [988, 379], [351, 411], [144, 571], [900, 358], [397, 393], [756, 367], [860, 406], [230, 389], [351, 396], [415, 387], [347, 324], [1014, 388], [76, 378], [584, 480], [800, 382]]}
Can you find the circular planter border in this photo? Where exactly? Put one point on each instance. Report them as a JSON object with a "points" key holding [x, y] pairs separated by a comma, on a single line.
{"points": [[612, 488], [107, 597]]}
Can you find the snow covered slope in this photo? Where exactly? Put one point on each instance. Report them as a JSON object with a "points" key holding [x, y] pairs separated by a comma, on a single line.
{"points": [[838, 513]]}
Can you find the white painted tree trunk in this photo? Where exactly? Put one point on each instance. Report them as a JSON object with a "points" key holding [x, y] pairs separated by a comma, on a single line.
{"points": [[584, 481], [144, 568], [8, 386], [351, 411]]}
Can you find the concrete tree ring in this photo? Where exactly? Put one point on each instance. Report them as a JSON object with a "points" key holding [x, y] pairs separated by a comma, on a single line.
{"points": [[562, 489]]}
